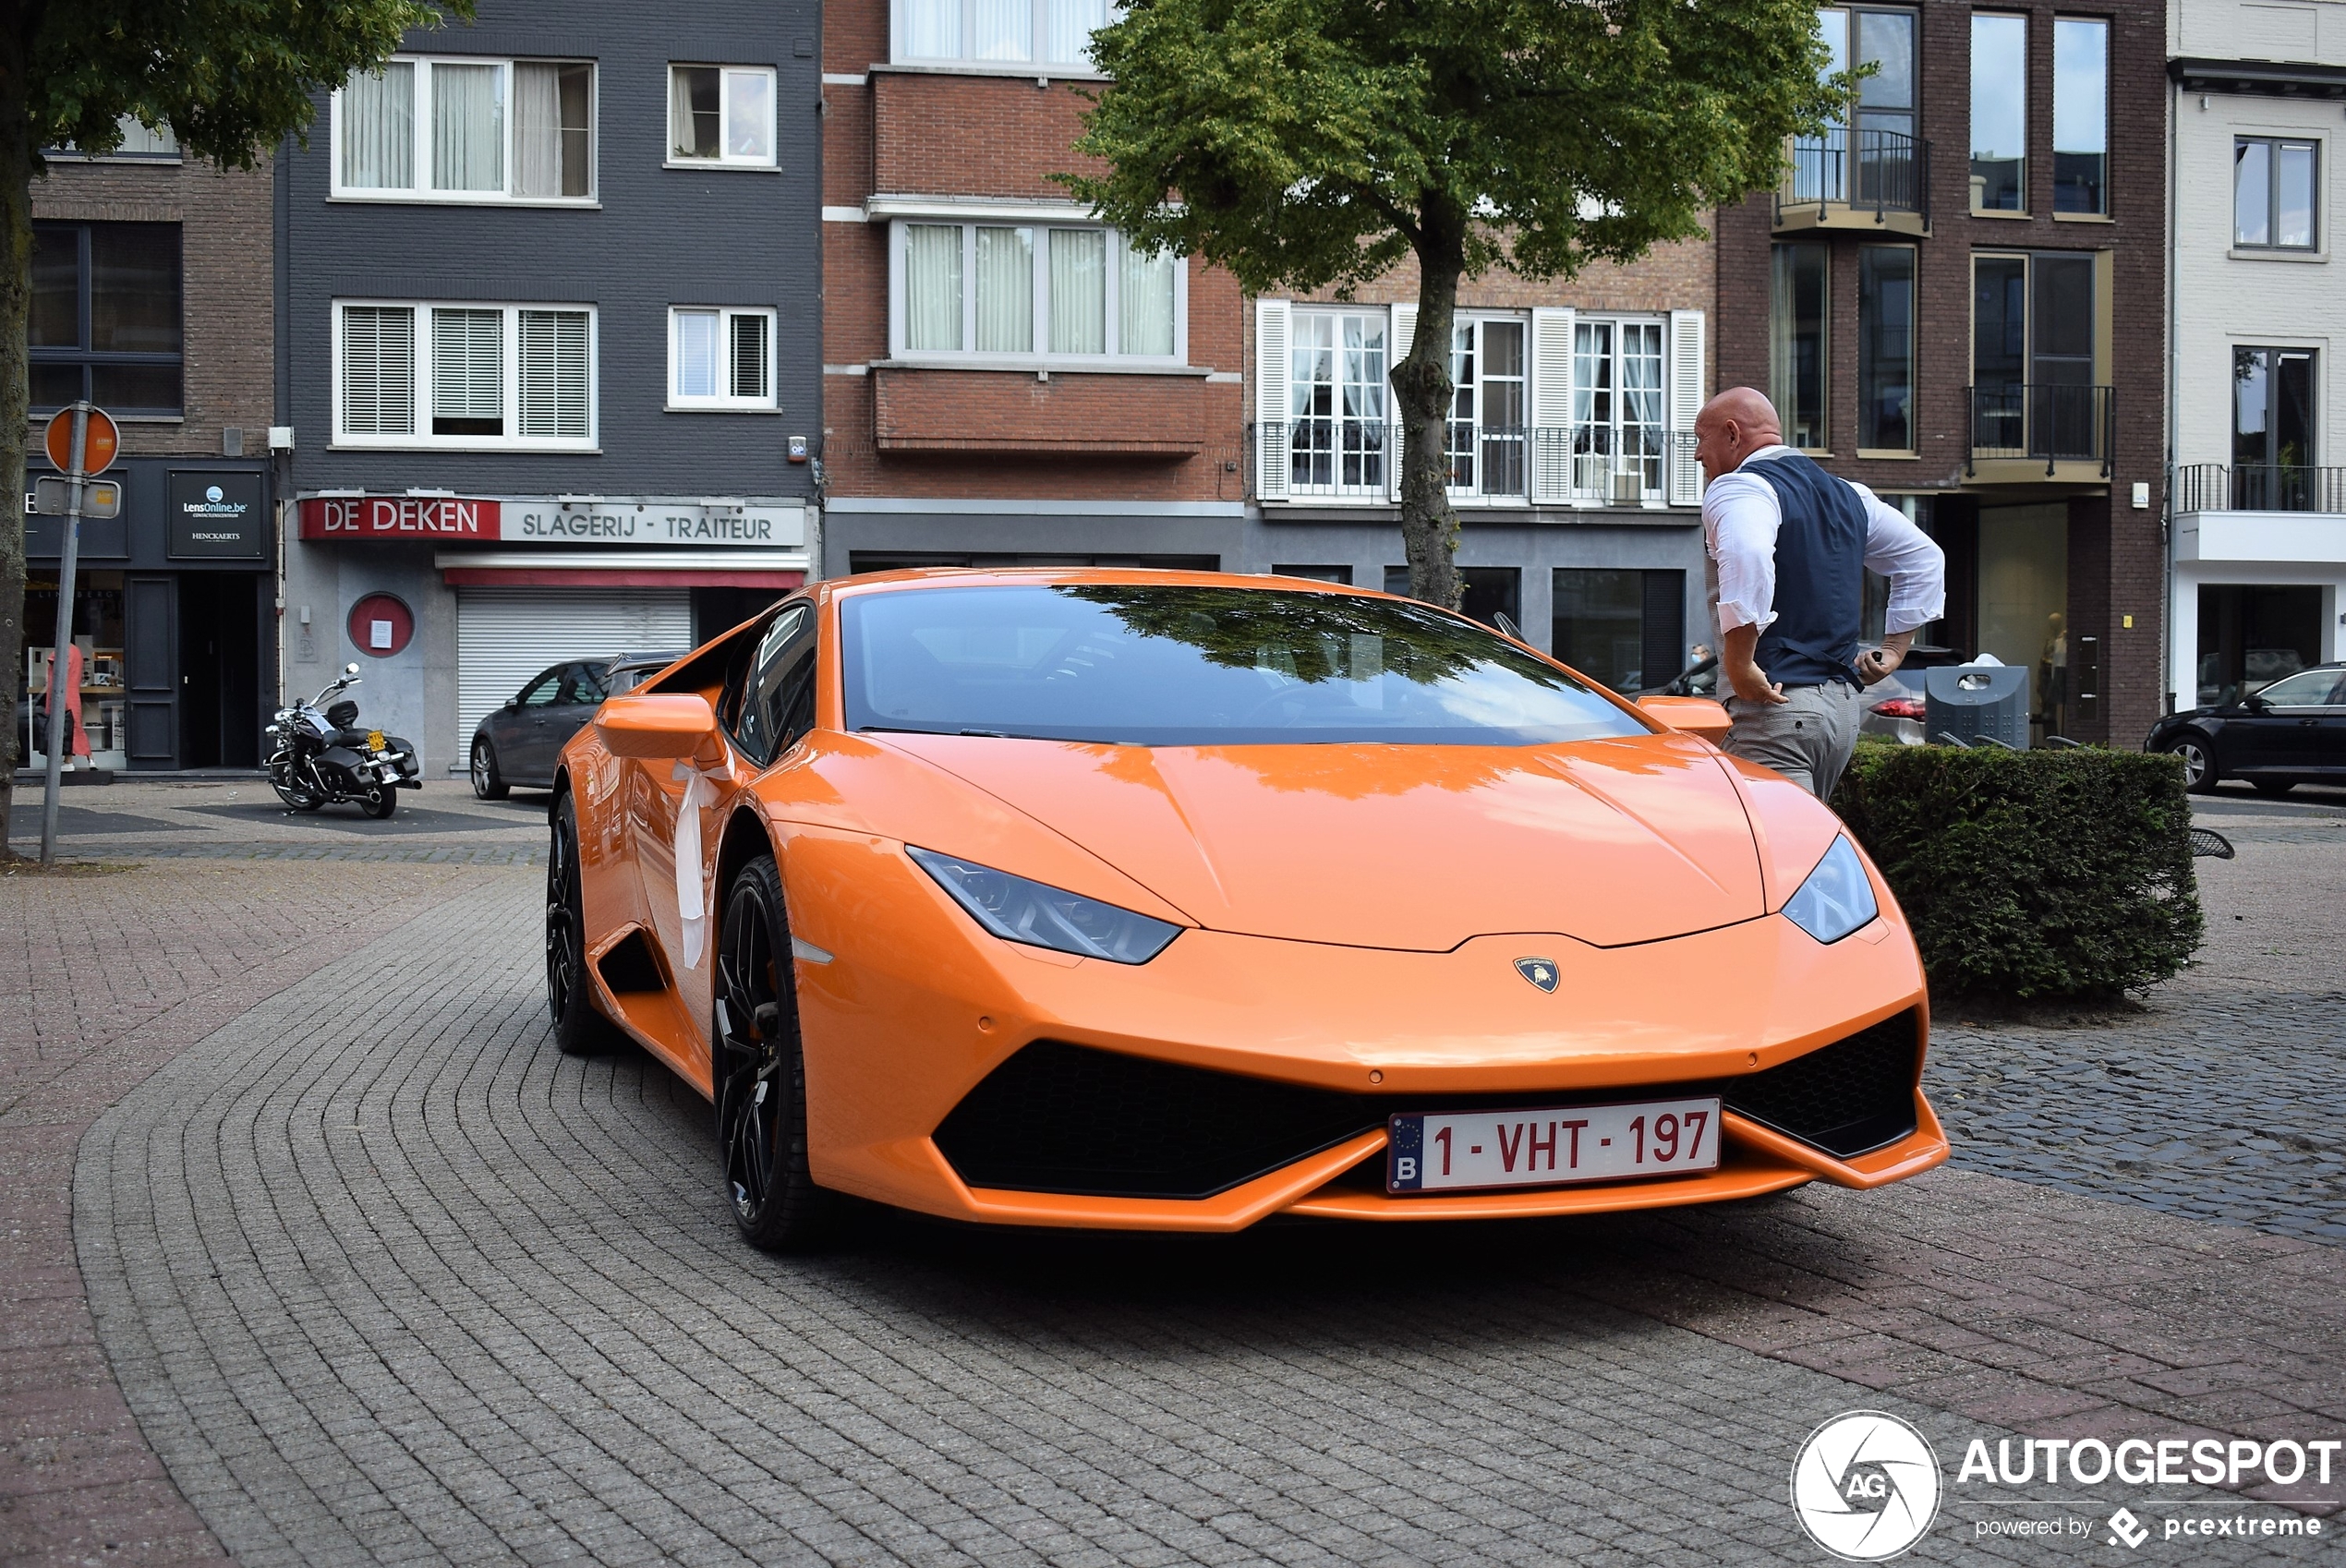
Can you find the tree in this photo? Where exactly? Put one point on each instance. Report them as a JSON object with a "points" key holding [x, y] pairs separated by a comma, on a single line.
{"points": [[231, 79], [1302, 144]]}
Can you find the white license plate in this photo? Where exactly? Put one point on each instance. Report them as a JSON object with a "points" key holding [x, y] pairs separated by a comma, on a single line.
{"points": [[1448, 1150]]}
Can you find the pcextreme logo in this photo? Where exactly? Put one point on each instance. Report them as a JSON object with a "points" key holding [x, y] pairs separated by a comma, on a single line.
{"points": [[1865, 1486]]}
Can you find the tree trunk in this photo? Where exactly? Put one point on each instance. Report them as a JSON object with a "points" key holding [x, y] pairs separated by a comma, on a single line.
{"points": [[17, 154], [1423, 391]]}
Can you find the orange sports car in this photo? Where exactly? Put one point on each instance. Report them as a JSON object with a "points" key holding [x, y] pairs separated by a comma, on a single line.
{"points": [[1168, 901]]}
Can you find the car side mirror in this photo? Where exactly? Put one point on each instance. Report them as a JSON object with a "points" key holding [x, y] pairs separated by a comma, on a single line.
{"points": [[662, 724], [2255, 703], [1692, 716]]}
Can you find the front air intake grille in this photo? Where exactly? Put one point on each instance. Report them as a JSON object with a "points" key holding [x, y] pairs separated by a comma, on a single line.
{"points": [[1849, 1098], [1067, 1118]]}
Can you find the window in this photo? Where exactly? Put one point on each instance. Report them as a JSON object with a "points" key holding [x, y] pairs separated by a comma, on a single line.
{"points": [[719, 358], [1626, 629], [105, 318], [1796, 357], [722, 114], [1487, 407], [1032, 292], [2273, 193], [141, 144], [2272, 428], [1873, 157], [434, 130], [2032, 354], [1619, 421], [1885, 348], [471, 376], [774, 703], [1012, 34], [2081, 115], [1336, 431], [1999, 113]]}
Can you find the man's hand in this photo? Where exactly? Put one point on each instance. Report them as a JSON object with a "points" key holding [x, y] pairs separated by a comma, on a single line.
{"points": [[1743, 674], [1876, 664]]}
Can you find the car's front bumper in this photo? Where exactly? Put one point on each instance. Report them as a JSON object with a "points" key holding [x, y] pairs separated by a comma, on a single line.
{"points": [[913, 1013]]}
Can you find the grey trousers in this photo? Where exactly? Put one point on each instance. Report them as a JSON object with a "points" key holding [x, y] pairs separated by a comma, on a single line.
{"points": [[1807, 739]]}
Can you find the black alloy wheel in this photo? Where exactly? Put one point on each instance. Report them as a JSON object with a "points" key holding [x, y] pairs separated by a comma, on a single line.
{"points": [[380, 801], [488, 783], [759, 1074], [579, 1030], [2200, 762]]}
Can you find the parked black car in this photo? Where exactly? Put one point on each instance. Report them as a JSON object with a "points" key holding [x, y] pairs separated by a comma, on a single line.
{"points": [[2290, 732], [519, 744]]}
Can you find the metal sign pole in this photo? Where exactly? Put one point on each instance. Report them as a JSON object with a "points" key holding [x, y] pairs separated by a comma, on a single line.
{"points": [[58, 662]]}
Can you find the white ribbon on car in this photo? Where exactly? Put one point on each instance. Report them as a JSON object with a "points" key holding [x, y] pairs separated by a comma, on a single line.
{"points": [[692, 892]]}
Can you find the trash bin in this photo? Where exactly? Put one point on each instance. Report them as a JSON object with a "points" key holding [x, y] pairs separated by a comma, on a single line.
{"points": [[1976, 702]]}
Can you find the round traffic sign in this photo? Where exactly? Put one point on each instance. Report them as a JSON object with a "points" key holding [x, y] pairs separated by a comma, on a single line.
{"points": [[100, 442]]}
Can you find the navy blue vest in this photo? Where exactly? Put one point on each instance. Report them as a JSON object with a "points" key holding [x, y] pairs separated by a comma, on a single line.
{"points": [[1820, 576]]}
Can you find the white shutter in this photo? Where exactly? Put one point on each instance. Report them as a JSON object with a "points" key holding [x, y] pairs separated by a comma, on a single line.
{"points": [[506, 635], [1270, 406], [1686, 402], [1550, 405], [554, 375], [1405, 332], [377, 370], [468, 365]]}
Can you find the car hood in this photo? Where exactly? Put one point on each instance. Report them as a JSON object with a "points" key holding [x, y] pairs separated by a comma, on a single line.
{"points": [[1421, 848]]}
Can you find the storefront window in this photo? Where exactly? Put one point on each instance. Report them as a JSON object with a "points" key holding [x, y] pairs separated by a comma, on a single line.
{"points": [[97, 631]]}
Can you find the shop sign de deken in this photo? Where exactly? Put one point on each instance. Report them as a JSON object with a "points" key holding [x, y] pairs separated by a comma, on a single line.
{"points": [[444, 519]]}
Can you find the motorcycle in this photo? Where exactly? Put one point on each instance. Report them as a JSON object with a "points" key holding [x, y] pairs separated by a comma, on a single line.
{"points": [[319, 756]]}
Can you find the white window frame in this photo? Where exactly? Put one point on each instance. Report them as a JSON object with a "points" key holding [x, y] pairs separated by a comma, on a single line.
{"points": [[723, 160], [1387, 454], [421, 437], [678, 402], [421, 155], [1040, 221], [1520, 494], [900, 53], [1619, 322]]}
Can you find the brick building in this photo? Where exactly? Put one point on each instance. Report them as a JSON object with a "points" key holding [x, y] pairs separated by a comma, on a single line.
{"points": [[1957, 297], [152, 297], [1003, 379], [1571, 451]]}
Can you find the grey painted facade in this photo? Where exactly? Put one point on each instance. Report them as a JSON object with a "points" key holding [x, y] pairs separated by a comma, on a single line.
{"points": [[656, 235]]}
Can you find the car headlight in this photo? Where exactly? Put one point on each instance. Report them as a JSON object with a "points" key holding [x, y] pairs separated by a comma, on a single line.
{"points": [[1837, 899], [1017, 910]]}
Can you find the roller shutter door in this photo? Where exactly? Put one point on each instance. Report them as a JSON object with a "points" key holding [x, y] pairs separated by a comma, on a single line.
{"points": [[506, 635]]}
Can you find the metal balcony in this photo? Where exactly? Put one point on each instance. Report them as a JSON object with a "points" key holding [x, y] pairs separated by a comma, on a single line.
{"points": [[2260, 486], [2069, 431], [1360, 461], [1868, 180]]}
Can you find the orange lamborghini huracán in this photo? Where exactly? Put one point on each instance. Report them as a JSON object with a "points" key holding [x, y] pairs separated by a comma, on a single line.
{"points": [[1175, 900]]}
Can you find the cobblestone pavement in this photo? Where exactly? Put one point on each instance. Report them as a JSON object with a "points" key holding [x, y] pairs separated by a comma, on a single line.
{"points": [[386, 1278], [242, 819]]}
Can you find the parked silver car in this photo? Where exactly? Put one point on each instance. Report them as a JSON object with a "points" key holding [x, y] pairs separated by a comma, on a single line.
{"points": [[519, 742]]}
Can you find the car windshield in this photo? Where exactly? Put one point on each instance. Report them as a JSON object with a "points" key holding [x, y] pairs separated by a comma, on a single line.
{"points": [[1143, 664]]}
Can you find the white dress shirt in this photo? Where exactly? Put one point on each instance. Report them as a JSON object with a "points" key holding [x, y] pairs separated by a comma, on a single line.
{"points": [[1740, 516]]}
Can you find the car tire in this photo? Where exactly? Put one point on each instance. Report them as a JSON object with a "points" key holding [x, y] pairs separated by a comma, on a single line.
{"points": [[2200, 773], [488, 783], [2274, 788], [381, 804], [579, 1030], [758, 1071]]}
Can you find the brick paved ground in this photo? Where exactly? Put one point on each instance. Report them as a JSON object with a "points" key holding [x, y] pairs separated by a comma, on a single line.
{"points": [[384, 1277]]}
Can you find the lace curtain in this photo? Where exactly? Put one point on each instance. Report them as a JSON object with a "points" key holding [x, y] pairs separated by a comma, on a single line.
{"points": [[1002, 29], [378, 128], [1069, 25], [1079, 291], [1145, 309], [468, 128], [696, 353], [932, 286], [1005, 291]]}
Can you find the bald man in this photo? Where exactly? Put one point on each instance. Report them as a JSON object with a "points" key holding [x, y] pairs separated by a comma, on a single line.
{"points": [[1789, 545]]}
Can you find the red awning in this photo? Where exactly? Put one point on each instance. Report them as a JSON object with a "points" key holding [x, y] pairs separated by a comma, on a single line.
{"points": [[556, 577]]}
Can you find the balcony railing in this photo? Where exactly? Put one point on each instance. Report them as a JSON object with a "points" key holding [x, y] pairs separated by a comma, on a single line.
{"points": [[2036, 422], [2260, 486], [1361, 461], [1848, 174]]}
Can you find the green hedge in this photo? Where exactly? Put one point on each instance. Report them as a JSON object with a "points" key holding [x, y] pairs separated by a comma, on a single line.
{"points": [[2031, 875]]}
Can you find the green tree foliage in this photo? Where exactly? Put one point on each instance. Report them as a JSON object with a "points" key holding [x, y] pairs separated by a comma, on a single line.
{"points": [[230, 79], [2031, 875], [1304, 144]]}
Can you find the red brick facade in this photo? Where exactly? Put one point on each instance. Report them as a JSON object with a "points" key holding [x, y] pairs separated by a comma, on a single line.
{"points": [[921, 432], [2115, 550]]}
